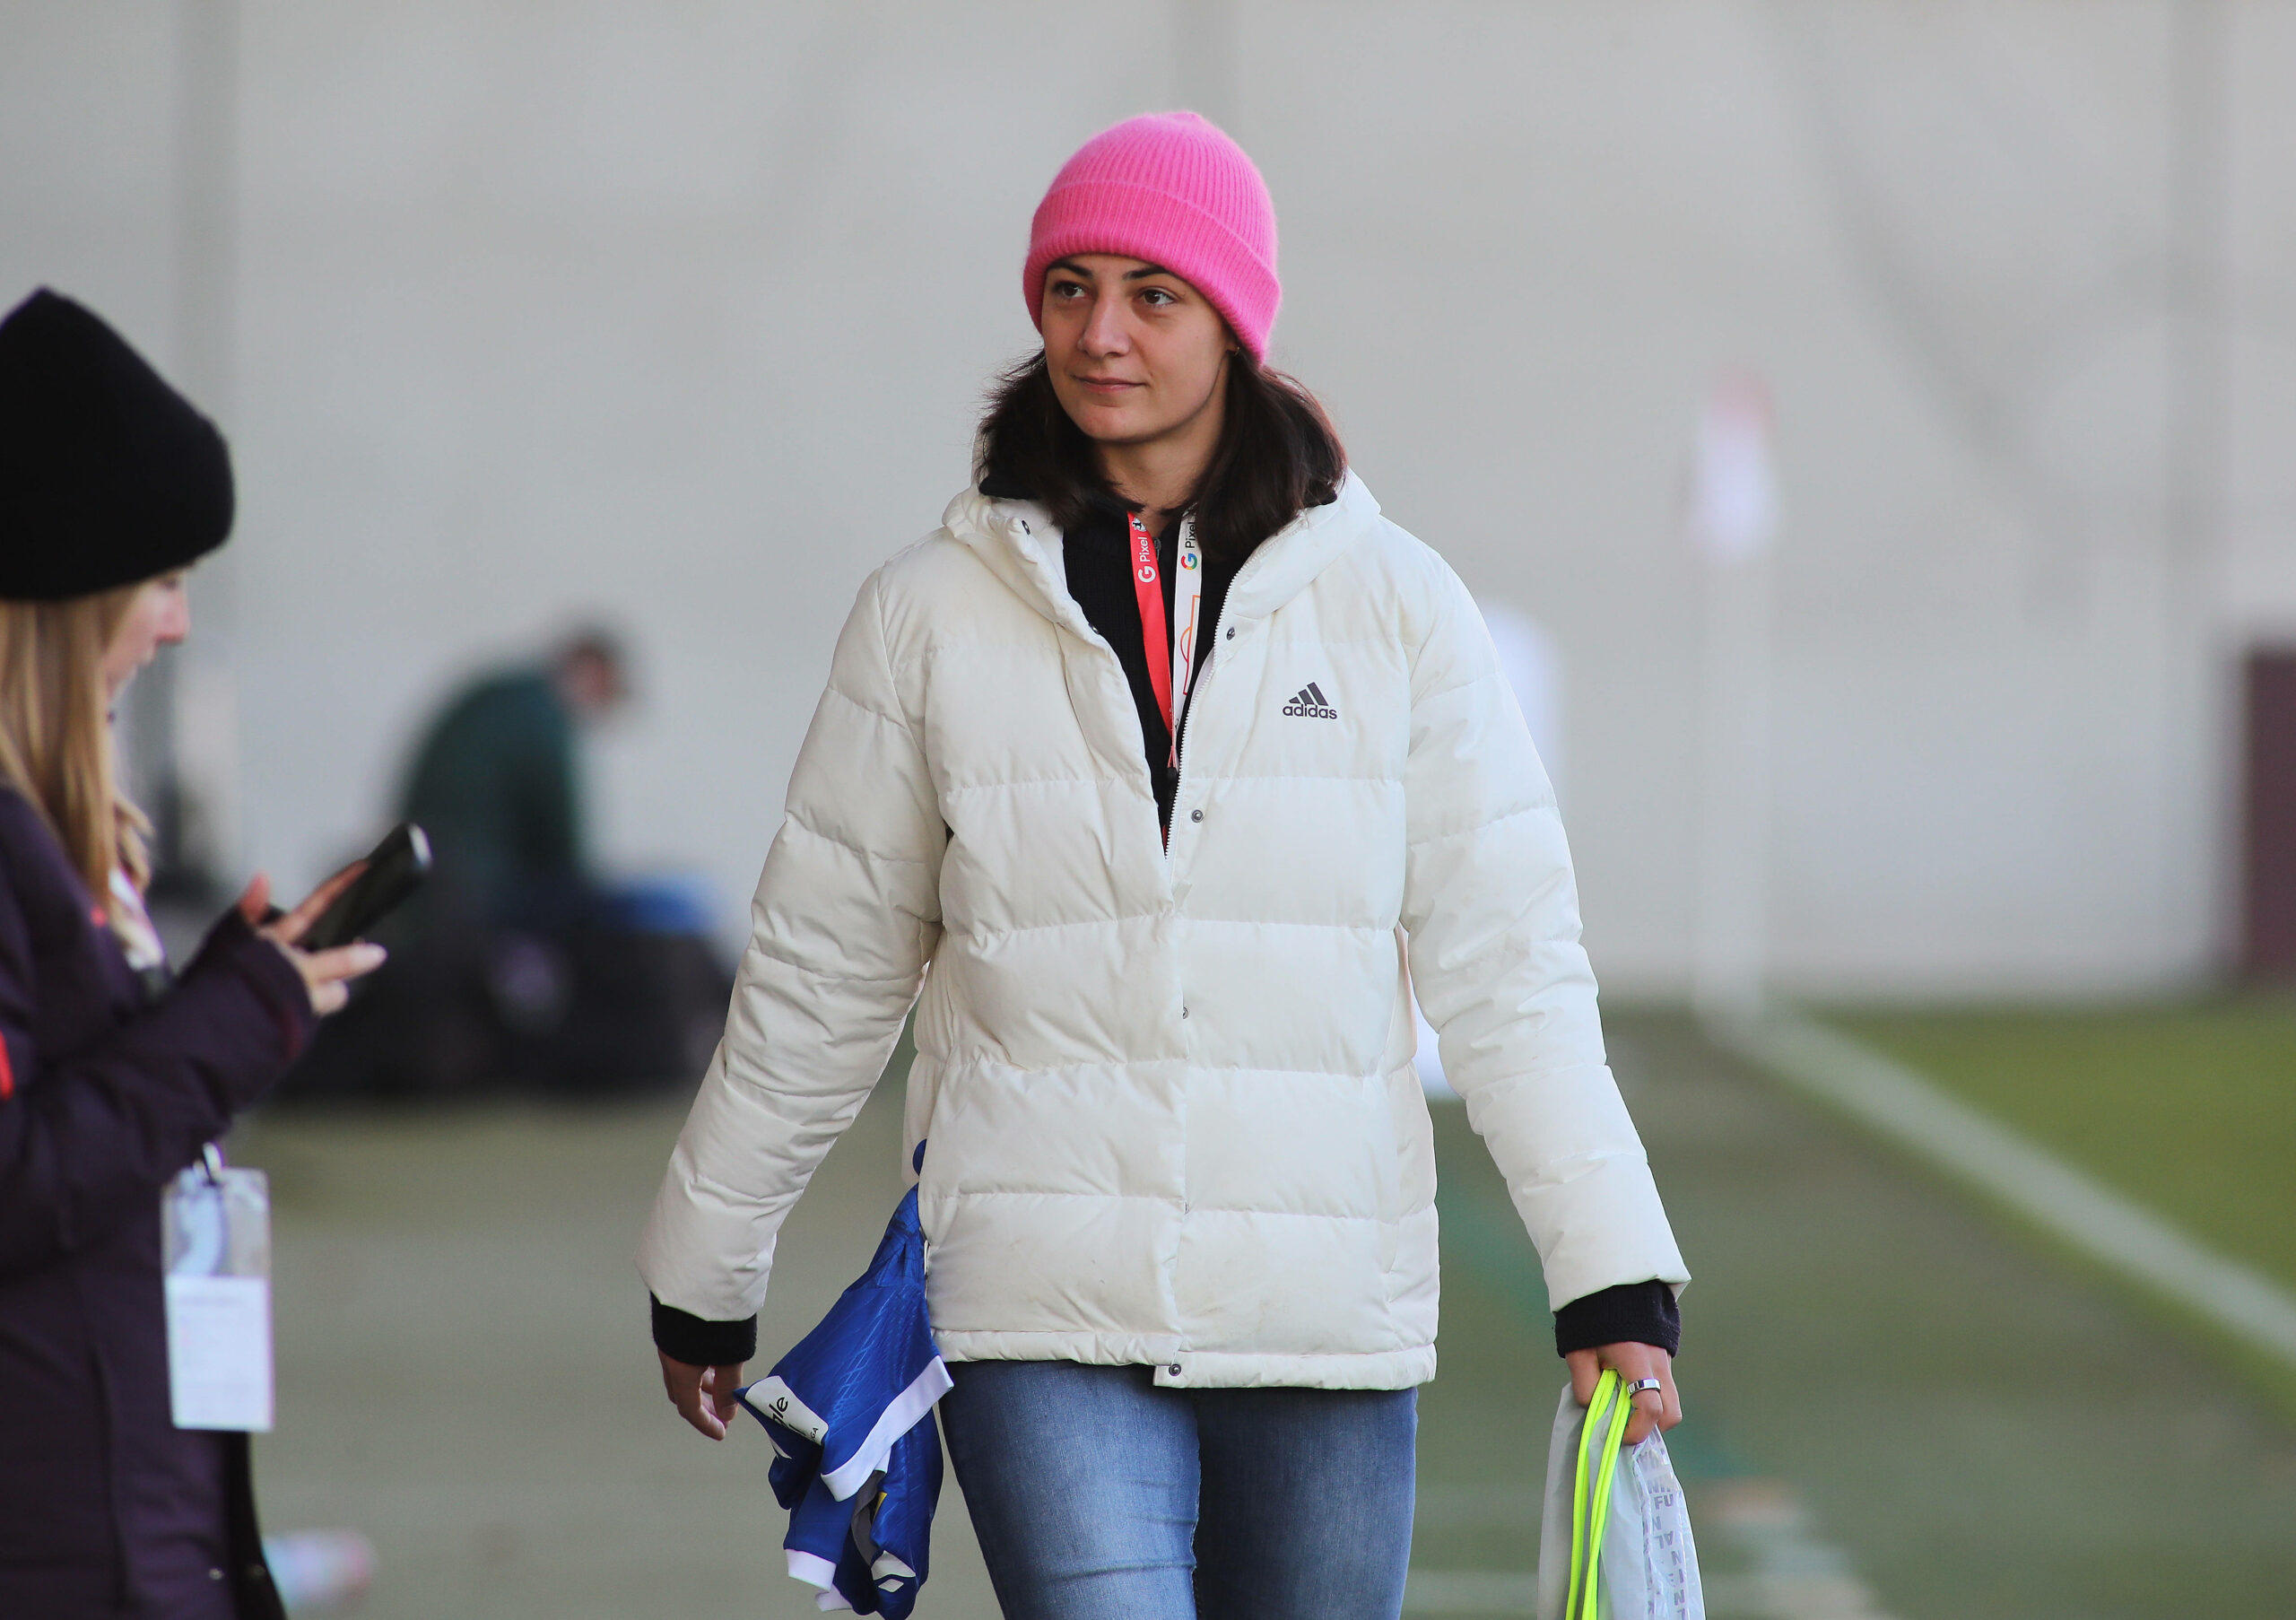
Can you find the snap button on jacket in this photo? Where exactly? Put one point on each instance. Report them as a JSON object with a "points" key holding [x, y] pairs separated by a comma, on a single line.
{"points": [[1172, 1113]]}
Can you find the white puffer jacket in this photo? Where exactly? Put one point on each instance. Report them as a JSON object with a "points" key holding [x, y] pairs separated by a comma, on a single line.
{"points": [[1172, 1114]]}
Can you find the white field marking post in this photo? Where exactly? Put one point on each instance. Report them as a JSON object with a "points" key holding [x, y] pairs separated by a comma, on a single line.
{"points": [[2083, 1214], [1730, 517]]}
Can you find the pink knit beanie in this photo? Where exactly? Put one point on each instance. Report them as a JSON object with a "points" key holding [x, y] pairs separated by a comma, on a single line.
{"points": [[1170, 187]]}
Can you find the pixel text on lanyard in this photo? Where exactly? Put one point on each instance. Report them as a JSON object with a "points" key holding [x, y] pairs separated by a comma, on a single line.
{"points": [[1171, 677]]}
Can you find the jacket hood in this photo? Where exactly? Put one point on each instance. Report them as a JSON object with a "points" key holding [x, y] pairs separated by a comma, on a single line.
{"points": [[1020, 543]]}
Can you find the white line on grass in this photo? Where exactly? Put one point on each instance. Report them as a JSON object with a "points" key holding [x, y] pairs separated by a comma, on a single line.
{"points": [[2083, 1212]]}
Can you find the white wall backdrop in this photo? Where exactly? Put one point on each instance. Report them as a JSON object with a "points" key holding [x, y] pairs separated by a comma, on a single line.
{"points": [[677, 316]]}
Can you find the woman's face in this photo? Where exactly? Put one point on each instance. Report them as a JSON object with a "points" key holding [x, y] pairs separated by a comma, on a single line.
{"points": [[159, 615], [1135, 353]]}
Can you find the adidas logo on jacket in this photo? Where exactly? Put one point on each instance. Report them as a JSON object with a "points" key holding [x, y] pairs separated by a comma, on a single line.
{"points": [[1174, 1116], [1312, 704]]}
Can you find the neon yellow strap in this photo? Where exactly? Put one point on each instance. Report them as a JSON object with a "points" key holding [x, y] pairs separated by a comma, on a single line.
{"points": [[1590, 1495], [1579, 1500], [1599, 1520]]}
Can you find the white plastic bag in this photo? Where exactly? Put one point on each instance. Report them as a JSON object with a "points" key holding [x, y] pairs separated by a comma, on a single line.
{"points": [[1645, 1559]]}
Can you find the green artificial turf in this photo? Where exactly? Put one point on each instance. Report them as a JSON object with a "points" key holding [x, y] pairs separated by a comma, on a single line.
{"points": [[2191, 1110], [1894, 1406], [1882, 1387]]}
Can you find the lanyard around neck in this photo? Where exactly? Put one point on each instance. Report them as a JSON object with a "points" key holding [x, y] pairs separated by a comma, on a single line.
{"points": [[1171, 677]]}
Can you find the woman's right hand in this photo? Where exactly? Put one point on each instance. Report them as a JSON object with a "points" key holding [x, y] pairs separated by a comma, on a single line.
{"points": [[703, 1396], [1659, 1409], [326, 974]]}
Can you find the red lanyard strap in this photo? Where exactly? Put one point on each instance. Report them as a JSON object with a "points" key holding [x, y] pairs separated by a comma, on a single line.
{"points": [[1148, 584], [1171, 656]]}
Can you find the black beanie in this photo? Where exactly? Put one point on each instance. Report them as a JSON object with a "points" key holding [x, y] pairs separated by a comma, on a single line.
{"points": [[108, 475]]}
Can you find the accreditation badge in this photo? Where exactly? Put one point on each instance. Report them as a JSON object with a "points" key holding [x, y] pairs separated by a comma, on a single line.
{"points": [[215, 1250]]}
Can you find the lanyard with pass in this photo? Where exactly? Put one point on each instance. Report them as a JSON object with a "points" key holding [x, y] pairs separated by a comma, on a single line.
{"points": [[1171, 680], [215, 1254]]}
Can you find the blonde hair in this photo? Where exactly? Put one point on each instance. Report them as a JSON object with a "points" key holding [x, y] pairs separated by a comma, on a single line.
{"points": [[56, 735]]}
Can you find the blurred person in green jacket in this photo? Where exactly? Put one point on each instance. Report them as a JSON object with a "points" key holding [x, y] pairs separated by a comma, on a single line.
{"points": [[496, 782], [518, 964]]}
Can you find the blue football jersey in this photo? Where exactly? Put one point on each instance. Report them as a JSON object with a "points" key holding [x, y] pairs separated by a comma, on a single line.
{"points": [[857, 1454], [871, 1554]]}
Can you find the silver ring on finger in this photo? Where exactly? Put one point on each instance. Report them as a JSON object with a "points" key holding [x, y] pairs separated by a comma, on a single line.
{"points": [[1641, 1385]]}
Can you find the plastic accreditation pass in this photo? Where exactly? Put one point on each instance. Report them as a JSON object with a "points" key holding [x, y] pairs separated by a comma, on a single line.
{"points": [[215, 1246]]}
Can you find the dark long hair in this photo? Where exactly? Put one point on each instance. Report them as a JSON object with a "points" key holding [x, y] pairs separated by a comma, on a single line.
{"points": [[1278, 455]]}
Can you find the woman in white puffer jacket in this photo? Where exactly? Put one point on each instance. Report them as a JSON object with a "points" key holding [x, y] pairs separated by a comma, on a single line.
{"points": [[1180, 1189]]}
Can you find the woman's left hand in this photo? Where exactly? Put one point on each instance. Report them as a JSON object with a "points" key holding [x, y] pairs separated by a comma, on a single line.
{"points": [[1658, 1408], [326, 974]]}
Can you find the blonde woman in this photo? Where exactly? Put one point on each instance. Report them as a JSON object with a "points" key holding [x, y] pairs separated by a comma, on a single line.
{"points": [[114, 1075]]}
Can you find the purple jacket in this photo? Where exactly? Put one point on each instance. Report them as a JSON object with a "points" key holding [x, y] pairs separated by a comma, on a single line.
{"points": [[106, 1091]]}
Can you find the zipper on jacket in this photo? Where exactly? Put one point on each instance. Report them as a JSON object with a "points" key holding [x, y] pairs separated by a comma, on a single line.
{"points": [[1180, 771]]}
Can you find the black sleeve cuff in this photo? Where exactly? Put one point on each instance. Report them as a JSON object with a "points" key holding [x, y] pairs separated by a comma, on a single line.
{"points": [[234, 945], [702, 1344], [1632, 1313]]}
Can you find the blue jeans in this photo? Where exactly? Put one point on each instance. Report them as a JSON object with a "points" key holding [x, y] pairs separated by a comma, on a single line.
{"points": [[1098, 1496]]}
